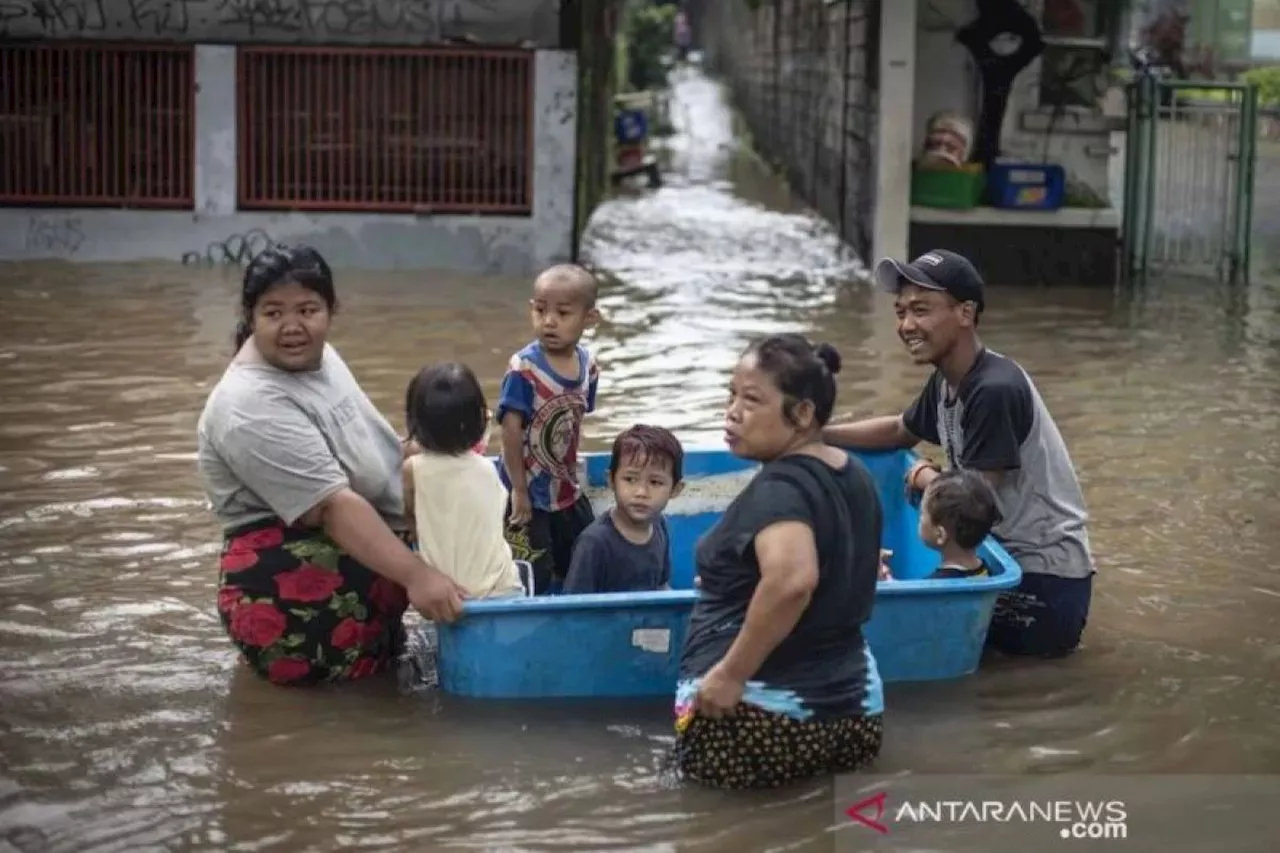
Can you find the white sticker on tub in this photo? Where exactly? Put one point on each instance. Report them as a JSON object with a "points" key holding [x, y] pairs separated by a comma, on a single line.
{"points": [[656, 640]]}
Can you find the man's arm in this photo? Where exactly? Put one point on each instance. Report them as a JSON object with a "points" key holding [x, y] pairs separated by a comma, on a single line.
{"points": [[888, 432], [927, 474], [892, 432]]}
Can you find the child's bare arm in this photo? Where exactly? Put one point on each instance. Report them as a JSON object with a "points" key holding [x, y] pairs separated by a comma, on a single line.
{"points": [[513, 460], [406, 479]]}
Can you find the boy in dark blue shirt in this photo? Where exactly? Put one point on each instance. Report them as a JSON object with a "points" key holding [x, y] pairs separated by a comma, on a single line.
{"points": [[628, 549]]}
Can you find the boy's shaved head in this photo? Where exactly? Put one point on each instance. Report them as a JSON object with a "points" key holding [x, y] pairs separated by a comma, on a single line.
{"points": [[566, 279]]}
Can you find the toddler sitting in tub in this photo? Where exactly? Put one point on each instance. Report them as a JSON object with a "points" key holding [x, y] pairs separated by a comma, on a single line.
{"points": [[957, 512], [454, 501], [627, 549]]}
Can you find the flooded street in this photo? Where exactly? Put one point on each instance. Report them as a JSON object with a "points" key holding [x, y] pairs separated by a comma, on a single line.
{"points": [[127, 725]]}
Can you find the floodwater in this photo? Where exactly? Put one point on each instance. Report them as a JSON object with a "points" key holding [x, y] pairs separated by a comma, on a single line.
{"points": [[127, 725]]}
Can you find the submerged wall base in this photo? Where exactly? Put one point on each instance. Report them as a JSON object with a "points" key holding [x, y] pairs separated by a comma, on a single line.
{"points": [[1027, 254]]}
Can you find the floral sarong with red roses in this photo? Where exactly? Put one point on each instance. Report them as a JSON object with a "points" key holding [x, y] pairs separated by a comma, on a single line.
{"points": [[301, 611]]}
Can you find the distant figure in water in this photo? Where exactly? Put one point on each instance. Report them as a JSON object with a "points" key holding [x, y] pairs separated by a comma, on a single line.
{"points": [[683, 35]]}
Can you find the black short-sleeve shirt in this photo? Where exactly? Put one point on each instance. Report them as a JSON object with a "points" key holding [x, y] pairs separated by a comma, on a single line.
{"points": [[823, 665]]}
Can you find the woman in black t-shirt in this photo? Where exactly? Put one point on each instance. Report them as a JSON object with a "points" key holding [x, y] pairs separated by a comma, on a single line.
{"points": [[776, 681]]}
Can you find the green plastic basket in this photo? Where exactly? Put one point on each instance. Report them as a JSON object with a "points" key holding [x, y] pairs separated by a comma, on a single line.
{"points": [[956, 189]]}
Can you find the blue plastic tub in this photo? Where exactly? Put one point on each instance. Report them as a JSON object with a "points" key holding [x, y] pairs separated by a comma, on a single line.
{"points": [[628, 644], [1027, 186]]}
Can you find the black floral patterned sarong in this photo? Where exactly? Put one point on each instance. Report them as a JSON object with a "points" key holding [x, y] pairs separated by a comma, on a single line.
{"points": [[756, 748], [301, 611]]}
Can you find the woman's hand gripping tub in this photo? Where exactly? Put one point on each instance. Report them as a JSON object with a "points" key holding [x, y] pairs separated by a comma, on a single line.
{"points": [[355, 526]]}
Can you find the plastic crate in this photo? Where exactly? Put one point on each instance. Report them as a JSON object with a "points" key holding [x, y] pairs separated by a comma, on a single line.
{"points": [[956, 189], [631, 126], [1027, 186]]}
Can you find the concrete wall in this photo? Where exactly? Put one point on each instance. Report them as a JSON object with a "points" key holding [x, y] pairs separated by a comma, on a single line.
{"points": [[895, 109], [217, 232], [287, 21], [1079, 140]]}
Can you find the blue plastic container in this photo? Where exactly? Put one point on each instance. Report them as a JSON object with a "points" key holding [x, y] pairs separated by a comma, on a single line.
{"points": [[1027, 186], [628, 644], [630, 127]]}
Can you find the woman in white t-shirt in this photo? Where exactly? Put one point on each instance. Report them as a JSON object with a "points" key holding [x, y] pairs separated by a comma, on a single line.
{"points": [[454, 499]]}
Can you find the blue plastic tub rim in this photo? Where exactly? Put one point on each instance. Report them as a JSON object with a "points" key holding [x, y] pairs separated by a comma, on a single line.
{"points": [[592, 601], [696, 458]]}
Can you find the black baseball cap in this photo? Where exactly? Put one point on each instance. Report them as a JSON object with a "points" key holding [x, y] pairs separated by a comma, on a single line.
{"points": [[937, 269]]}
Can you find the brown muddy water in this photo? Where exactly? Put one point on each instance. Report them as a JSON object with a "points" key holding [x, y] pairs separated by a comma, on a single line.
{"points": [[127, 725]]}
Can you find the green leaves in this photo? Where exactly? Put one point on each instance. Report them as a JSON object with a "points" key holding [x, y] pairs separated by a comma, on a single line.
{"points": [[349, 605], [320, 551]]}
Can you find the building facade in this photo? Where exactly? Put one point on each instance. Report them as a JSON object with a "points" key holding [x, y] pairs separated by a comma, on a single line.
{"points": [[839, 93], [389, 134]]}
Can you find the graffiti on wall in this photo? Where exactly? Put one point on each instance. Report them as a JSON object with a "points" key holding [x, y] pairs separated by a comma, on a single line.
{"points": [[407, 21], [238, 249], [52, 17], [54, 235], [331, 17]]}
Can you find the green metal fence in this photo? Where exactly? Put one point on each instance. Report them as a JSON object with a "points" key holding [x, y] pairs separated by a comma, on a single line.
{"points": [[1190, 155]]}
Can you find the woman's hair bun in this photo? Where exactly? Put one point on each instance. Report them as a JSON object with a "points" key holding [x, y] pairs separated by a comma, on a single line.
{"points": [[828, 355]]}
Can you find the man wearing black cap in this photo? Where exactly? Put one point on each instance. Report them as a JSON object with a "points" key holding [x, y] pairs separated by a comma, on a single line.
{"points": [[985, 412]]}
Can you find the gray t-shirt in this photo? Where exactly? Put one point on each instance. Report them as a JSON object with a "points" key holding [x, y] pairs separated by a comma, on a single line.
{"points": [[274, 443], [606, 561], [996, 421]]}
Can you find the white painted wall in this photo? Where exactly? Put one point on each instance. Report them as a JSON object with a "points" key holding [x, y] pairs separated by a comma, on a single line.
{"points": [[898, 73], [947, 79], [214, 230], [215, 165]]}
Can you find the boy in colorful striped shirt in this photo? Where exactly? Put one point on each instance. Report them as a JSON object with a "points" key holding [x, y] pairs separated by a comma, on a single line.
{"points": [[548, 387]]}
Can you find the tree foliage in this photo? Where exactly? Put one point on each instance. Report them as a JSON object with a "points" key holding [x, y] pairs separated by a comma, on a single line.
{"points": [[1267, 79], [648, 33]]}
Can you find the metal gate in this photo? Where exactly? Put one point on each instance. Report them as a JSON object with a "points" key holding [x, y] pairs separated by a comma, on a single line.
{"points": [[1189, 164]]}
